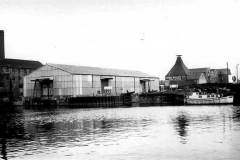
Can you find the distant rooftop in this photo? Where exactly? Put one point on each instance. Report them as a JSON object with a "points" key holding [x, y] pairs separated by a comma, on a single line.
{"points": [[201, 70], [224, 71], [195, 73], [179, 68], [100, 71], [19, 63]]}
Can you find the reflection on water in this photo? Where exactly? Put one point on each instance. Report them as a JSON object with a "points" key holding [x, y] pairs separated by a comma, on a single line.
{"points": [[236, 113], [181, 125], [11, 127], [121, 133]]}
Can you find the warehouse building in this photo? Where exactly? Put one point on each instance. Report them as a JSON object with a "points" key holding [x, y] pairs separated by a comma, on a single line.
{"points": [[56, 80]]}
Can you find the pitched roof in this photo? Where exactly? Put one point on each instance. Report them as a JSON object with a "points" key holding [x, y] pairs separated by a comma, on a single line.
{"points": [[100, 71], [19, 63], [200, 70], [179, 69], [195, 73], [224, 71]]}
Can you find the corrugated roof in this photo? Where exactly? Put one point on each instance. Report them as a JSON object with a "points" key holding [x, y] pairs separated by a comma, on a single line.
{"points": [[19, 63], [179, 69], [100, 71]]}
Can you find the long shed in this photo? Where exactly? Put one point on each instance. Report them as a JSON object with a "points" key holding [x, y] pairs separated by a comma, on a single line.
{"points": [[57, 80]]}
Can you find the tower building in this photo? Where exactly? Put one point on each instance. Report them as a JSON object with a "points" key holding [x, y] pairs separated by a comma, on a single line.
{"points": [[2, 51]]}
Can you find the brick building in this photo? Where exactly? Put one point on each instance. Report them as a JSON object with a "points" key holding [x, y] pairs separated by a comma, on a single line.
{"points": [[180, 75], [12, 72]]}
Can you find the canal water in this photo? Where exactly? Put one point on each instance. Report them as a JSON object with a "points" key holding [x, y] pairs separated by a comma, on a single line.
{"points": [[139, 133]]}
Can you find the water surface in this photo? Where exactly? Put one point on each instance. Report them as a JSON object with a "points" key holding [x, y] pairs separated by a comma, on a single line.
{"points": [[152, 133]]}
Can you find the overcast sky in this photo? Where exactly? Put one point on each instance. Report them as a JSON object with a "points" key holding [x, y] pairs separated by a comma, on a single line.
{"points": [[143, 35]]}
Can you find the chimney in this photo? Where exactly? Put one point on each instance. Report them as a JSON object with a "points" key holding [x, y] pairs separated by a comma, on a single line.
{"points": [[2, 51]]}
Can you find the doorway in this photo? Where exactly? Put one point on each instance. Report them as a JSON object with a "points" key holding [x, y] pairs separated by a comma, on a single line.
{"points": [[104, 83], [43, 88], [143, 85]]}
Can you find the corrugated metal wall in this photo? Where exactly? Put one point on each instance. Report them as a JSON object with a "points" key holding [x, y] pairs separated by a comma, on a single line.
{"points": [[66, 84]]}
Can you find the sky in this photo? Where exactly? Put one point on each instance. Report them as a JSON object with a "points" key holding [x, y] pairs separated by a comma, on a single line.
{"points": [[144, 35]]}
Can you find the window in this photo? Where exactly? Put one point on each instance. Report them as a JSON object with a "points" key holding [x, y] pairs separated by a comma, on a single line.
{"points": [[15, 70], [1, 84], [5, 69], [25, 72], [28, 71], [20, 85]]}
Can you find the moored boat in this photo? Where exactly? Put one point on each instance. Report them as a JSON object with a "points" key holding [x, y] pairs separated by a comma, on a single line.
{"points": [[198, 98]]}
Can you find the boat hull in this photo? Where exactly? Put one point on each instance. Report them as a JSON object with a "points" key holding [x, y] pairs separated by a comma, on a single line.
{"points": [[222, 100]]}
